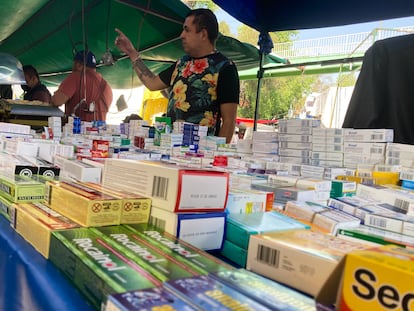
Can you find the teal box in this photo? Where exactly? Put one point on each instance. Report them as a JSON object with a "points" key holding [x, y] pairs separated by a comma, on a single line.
{"points": [[234, 253], [239, 227], [343, 188]]}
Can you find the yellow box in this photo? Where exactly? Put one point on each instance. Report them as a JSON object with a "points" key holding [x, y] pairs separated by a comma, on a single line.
{"points": [[135, 208], [374, 279], [378, 279], [35, 222], [84, 205], [22, 189]]}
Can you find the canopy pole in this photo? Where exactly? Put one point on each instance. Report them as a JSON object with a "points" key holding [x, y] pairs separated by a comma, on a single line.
{"points": [[266, 45], [260, 73]]}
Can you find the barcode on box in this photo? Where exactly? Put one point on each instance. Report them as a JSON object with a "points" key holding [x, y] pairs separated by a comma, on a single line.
{"points": [[376, 222], [404, 205], [268, 255], [376, 150], [407, 175], [160, 187], [379, 137], [157, 222]]}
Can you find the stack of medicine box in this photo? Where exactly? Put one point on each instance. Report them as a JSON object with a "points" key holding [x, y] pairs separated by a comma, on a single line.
{"points": [[187, 203], [269, 293], [55, 126], [295, 140], [86, 206], [265, 144], [192, 133], [399, 154], [320, 217], [311, 189], [95, 267], [240, 228], [365, 146], [327, 147]]}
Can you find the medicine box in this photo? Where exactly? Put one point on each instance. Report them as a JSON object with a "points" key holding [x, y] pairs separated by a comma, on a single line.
{"points": [[301, 259], [84, 205], [171, 187], [35, 222], [94, 267], [192, 256], [151, 259], [203, 230]]}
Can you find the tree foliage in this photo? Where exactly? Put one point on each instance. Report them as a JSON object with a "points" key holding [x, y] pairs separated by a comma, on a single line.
{"points": [[276, 95]]}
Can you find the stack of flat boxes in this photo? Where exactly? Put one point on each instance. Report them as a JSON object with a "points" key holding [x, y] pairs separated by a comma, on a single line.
{"points": [[265, 144], [187, 203], [295, 140], [327, 147], [365, 146]]}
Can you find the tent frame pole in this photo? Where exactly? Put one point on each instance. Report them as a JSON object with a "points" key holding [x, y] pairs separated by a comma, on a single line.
{"points": [[260, 73]]}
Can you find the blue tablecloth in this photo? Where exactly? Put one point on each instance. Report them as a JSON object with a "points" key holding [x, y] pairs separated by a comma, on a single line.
{"points": [[29, 282]]}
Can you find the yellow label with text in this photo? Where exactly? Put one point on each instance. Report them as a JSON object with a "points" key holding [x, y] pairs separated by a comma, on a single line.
{"points": [[378, 279]]}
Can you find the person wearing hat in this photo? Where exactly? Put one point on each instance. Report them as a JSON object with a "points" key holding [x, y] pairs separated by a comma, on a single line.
{"points": [[34, 89], [84, 92]]}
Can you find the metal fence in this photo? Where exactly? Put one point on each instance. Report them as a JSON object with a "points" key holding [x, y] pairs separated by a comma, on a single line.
{"points": [[345, 45]]}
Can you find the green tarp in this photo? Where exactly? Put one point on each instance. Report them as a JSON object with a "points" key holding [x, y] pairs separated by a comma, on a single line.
{"points": [[45, 34]]}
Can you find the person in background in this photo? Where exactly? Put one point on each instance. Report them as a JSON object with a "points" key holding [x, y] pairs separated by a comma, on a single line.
{"points": [[204, 83], [84, 92], [6, 91], [34, 89]]}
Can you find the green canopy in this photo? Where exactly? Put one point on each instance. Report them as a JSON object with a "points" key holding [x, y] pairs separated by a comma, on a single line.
{"points": [[46, 34]]}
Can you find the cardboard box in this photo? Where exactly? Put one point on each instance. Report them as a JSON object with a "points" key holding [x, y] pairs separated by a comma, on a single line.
{"points": [[301, 259], [6, 207], [147, 299], [170, 187], [375, 236], [269, 293], [151, 259], [79, 170], [203, 230], [192, 256], [134, 209], [374, 279], [331, 220], [94, 267], [35, 222], [240, 227], [21, 189], [209, 294], [247, 201], [84, 205], [303, 211]]}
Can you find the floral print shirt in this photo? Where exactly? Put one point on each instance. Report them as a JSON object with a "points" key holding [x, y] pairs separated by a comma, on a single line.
{"points": [[195, 91]]}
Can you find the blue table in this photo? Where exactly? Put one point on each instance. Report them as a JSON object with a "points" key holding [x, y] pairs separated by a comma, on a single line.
{"points": [[29, 282]]}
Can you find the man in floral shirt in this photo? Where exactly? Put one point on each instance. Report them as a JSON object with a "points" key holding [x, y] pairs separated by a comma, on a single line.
{"points": [[204, 83]]}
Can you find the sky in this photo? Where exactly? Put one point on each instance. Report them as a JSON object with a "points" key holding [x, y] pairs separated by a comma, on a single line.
{"points": [[328, 31]]}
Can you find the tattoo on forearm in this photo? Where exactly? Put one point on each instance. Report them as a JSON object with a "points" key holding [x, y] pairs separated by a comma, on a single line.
{"points": [[142, 69]]}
